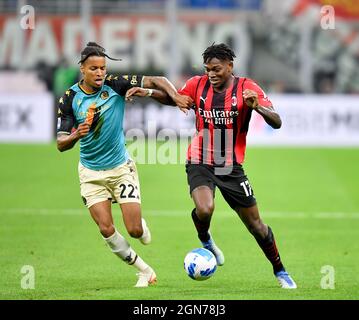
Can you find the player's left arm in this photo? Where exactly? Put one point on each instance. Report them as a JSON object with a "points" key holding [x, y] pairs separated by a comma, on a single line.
{"points": [[256, 99], [158, 88], [132, 85]]}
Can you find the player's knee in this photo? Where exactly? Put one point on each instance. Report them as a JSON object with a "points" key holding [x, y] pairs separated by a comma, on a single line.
{"points": [[135, 232], [107, 230], [204, 211]]}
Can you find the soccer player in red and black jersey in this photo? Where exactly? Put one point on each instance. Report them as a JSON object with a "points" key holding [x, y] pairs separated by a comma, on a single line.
{"points": [[223, 104]]}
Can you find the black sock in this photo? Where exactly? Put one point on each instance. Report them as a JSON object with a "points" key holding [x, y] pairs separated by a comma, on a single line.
{"points": [[201, 226], [270, 250]]}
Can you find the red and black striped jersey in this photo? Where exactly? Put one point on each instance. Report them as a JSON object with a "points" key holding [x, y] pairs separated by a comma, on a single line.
{"points": [[222, 120]]}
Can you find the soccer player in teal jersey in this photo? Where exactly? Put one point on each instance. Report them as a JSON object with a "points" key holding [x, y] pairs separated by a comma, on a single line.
{"points": [[92, 111]]}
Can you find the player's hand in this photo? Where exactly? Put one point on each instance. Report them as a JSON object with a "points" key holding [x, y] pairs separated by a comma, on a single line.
{"points": [[136, 91], [251, 98], [183, 102], [82, 130]]}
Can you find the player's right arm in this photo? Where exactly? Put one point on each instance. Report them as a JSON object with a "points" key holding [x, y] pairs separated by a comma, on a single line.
{"points": [[190, 88], [67, 141], [66, 137]]}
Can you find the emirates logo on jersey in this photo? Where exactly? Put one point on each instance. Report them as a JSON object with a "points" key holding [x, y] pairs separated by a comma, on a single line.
{"points": [[215, 116]]}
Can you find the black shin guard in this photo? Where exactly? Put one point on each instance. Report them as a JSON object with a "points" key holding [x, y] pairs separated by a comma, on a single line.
{"points": [[270, 250], [201, 226]]}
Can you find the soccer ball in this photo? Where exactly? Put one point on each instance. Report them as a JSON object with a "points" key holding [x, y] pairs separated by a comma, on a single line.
{"points": [[200, 264]]}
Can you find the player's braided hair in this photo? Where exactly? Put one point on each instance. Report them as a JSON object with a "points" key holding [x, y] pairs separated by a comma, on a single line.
{"points": [[220, 51], [93, 49]]}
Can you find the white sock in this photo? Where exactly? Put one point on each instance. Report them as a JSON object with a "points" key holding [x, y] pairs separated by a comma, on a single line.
{"points": [[140, 264], [121, 248]]}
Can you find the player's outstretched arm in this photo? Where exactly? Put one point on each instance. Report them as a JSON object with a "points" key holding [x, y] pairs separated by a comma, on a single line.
{"points": [[163, 84], [270, 116], [158, 95], [66, 142]]}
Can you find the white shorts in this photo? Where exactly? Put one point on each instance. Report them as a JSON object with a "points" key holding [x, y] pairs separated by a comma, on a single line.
{"points": [[120, 184]]}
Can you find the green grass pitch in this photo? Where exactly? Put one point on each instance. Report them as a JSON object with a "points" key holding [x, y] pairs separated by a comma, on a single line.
{"points": [[310, 198]]}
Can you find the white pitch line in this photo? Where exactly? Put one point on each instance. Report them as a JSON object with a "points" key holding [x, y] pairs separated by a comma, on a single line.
{"points": [[177, 213]]}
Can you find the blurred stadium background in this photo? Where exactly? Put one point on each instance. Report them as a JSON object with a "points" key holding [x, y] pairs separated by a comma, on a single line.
{"points": [[284, 46], [307, 64]]}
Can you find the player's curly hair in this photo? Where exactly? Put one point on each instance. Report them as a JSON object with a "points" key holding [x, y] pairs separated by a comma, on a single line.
{"points": [[220, 51], [93, 49]]}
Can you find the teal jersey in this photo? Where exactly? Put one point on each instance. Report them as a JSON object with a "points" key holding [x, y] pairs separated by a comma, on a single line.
{"points": [[104, 147]]}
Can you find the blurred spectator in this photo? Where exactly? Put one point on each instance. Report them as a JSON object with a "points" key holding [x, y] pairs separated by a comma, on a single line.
{"points": [[324, 82], [45, 73], [221, 4], [277, 87], [64, 77], [348, 76]]}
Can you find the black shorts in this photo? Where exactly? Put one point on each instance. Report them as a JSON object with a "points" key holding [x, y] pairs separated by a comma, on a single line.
{"points": [[235, 187]]}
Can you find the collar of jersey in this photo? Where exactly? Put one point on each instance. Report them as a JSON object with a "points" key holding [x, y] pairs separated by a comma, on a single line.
{"points": [[83, 90]]}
